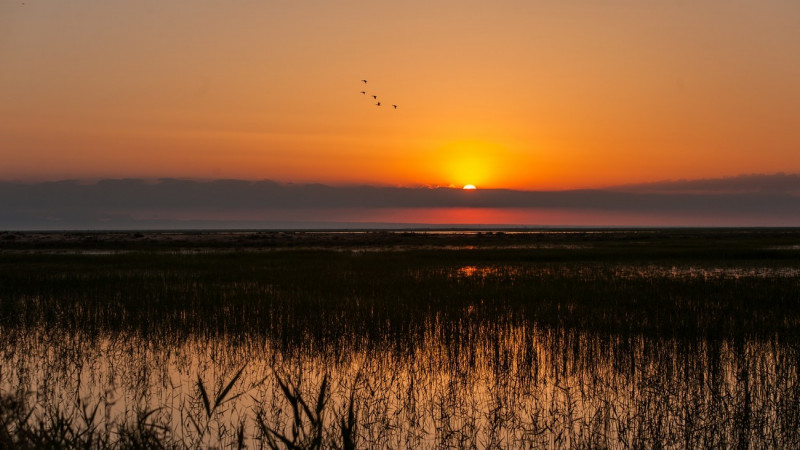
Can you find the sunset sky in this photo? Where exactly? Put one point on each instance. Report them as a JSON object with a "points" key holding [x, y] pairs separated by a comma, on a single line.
{"points": [[509, 94]]}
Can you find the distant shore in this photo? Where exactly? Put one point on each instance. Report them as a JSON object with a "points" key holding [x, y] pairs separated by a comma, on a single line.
{"points": [[422, 239]]}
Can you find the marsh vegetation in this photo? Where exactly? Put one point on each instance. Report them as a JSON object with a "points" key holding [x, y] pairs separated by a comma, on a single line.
{"points": [[613, 339]]}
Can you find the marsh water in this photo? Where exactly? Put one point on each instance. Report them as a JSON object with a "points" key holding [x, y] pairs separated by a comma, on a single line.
{"points": [[680, 339]]}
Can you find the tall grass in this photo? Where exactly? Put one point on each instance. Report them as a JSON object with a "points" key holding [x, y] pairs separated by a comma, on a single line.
{"points": [[532, 387], [616, 341]]}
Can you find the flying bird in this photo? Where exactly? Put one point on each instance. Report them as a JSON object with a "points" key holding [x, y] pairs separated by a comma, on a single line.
{"points": [[374, 97]]}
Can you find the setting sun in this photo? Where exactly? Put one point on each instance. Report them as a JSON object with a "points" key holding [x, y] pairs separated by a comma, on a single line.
{"points": [[470, 162], [469, 187]]}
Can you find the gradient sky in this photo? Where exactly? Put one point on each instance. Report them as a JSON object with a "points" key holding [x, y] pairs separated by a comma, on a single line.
{"points": [[508, 94]]}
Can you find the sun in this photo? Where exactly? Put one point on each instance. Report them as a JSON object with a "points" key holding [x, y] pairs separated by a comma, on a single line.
{"points": [[468, 163]]}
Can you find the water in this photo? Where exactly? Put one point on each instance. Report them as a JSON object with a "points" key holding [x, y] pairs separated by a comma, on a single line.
{"points": [[505, 385], [544, 347]]}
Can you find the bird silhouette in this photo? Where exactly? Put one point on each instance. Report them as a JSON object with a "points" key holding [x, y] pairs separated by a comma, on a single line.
{"points": [[375, 97], [364, 81], [395, 106], [363, 92], [378, 104]]}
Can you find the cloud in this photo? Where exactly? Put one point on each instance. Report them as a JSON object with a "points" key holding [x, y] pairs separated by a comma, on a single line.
{"points": [[779, 183], [137, 203]]}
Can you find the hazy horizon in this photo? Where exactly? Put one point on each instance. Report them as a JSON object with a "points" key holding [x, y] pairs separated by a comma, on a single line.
{"points": [[741, 201]]}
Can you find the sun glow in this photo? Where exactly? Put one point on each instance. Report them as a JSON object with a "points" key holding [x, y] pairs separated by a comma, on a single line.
{"points": [[469, 163], [469, 187]]}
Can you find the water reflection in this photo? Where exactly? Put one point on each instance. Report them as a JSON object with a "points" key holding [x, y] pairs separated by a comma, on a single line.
{"points": [[498, 384], [474, 271], [398, 349], [647, 271]]}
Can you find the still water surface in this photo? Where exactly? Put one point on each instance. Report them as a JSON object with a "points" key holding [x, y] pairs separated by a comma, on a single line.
{"points": [[552, 370], [498, 385]]}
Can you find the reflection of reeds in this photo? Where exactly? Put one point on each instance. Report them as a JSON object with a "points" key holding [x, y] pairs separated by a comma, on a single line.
{"points": [[201, 425], [75, 426], [307, 423], [708, 395], [604, 346]]}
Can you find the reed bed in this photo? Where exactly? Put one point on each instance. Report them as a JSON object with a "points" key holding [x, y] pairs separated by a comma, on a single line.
{"points": [[533, 387], [616, 343]]}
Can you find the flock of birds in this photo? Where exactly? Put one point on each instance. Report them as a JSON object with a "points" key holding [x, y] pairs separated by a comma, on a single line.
{"points": [[374, 97]]}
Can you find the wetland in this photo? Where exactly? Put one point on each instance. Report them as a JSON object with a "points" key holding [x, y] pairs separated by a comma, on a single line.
{"points": [[637, 338]]}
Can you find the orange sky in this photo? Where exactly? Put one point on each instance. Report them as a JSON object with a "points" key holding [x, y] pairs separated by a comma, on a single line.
{"points": [[510, 94]]}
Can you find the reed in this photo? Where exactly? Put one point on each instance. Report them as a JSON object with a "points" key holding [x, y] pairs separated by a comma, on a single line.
{"points": [[619, 340]]}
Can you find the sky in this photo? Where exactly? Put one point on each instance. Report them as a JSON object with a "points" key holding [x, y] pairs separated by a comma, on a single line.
{"points": [[520, 95]]}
